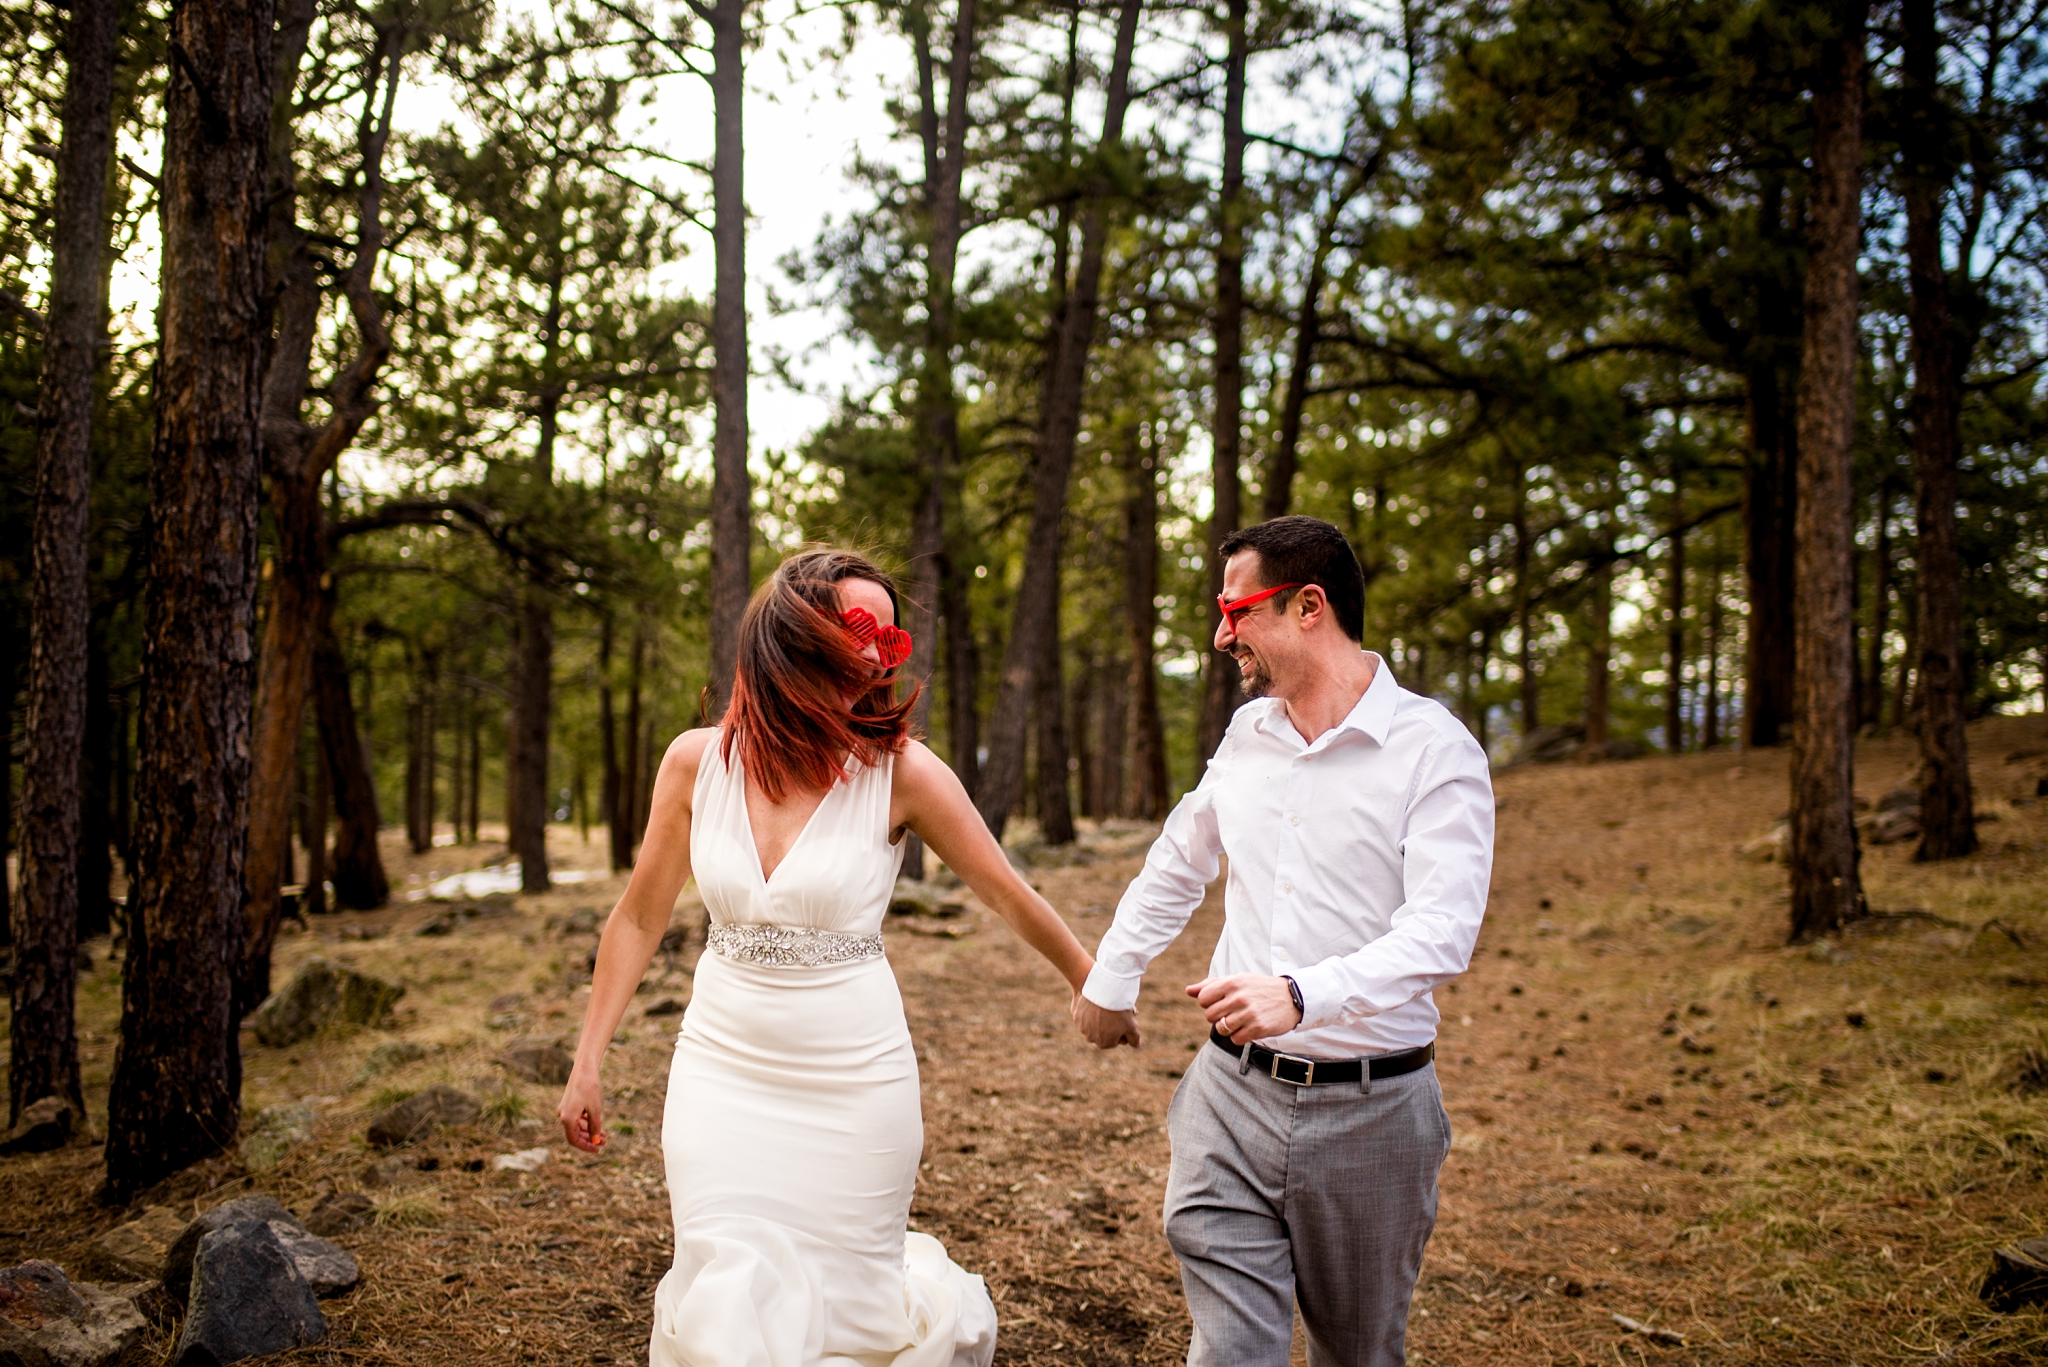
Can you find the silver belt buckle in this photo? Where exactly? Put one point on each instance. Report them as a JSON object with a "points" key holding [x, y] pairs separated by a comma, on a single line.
{"points": [[1308, 1066]]}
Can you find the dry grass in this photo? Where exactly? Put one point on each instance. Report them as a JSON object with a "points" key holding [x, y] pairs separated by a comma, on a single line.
{"points": [[1660, 1110]]}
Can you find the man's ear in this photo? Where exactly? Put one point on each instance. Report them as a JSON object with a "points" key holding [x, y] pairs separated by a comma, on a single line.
{"points": [[1314, 605]]}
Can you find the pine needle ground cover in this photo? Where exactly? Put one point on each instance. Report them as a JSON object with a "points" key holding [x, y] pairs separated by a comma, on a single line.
{"points": [[1781, 1155]]}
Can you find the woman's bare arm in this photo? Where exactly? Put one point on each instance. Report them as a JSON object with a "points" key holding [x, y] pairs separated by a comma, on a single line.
{"points": [[632, 934], [930, 801]]}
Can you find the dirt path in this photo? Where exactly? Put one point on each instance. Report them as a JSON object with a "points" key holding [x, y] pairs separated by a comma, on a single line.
{"points": [[1660, 1111]]}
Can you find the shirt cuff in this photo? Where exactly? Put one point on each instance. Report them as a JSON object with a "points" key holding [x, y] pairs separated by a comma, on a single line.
{"points": [[1322, 993], [1110, 991]]}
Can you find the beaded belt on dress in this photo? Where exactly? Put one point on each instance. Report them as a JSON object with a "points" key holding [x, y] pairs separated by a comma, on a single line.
{"points": [[790, 946]]}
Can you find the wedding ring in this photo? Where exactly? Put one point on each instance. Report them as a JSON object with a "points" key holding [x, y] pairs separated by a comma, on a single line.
{"points": [[1226, 1025]]}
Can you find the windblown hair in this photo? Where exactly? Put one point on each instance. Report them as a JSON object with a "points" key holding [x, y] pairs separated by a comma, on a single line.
{"points": [[789, 718]]}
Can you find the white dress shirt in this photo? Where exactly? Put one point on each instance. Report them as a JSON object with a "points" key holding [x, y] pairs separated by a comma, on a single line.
{"points": [[1359, 867]]}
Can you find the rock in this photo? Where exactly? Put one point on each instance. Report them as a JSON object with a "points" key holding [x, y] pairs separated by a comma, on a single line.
{"points": [[248, 1299], [138, 1248], [422, 1113], [582, 921], [526, 1160], [392, 1053], [47, 1320], [339, 1212], [675, 939], [538, 1060], [1898, 799], [44, 1125], [2018, 1277], [275, 1132], [441, 923], [915, 897], [508, 1001], [1889, 826], [390, 1172], [1624, 749], [667, 1006], [323, 994], [328, 1268]]}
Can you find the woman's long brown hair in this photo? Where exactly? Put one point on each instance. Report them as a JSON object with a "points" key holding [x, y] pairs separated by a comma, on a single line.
{"points": [[788, 718]]}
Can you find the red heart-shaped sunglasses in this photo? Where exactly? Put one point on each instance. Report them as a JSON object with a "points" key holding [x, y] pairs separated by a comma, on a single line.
{"points": [[892, 644]]}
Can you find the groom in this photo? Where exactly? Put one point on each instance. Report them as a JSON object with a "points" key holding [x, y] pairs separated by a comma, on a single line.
{"points": [[1358, 821]]}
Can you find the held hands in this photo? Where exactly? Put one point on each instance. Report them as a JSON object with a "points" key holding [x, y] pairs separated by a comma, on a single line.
{"points": [[1255, 1006], [582, 1112], [1103, 1028]]}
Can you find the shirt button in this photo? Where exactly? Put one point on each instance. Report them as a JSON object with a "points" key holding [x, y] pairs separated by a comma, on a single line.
{"points": [[1295, 819], [1287, 887]]}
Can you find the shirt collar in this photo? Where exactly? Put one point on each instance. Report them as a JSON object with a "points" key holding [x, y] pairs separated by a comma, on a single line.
{"points": [[1371, 716]]}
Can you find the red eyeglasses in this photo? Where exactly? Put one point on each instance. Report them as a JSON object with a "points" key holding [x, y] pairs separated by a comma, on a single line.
{"points": [[1231, 609], [892, 644]]}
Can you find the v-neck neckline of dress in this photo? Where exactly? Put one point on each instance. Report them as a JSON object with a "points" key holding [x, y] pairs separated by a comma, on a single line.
{"points": [[746, 817]]}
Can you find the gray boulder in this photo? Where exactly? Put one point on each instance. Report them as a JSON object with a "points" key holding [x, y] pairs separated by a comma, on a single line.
{"points": [[275, 1132], [538, 1060], [917, 897], [248, 1299], [44, 1125], [47, 1320], [328, 1268], [421, 1114], [138, 1248], [323, 994]]}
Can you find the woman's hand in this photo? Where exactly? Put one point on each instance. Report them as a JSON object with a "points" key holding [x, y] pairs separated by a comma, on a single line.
{"points": [[582, 1111]]}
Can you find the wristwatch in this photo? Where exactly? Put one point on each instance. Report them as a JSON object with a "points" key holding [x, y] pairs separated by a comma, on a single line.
{"points": [[1294, 992]]}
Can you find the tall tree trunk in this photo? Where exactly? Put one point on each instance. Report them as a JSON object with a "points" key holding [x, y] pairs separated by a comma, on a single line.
{"points": [[1599, 658], [1034, 619], [1148, 786], [357, 869], [527, 799], [44, 917], [7, 691], [938, 415], [1870, 712], [636, 774], [1941, 358], [476, 775], [1770, 495], [1710, 719], [611, 789], [731, 489], [1055, 802], [176, 1094], [1220, 688], [1826, 890], [96, 792], [297, 458], [314, 834], [1525, 614], [1674, 625], [963, 676], [1308, 318]]}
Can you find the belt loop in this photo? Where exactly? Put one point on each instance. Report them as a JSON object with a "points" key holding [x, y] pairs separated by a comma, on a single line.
{"points": [[1244, 1061], [1365, 1077]]}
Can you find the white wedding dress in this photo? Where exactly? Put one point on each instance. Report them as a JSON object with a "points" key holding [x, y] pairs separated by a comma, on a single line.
{"points": [[792, 1132]]}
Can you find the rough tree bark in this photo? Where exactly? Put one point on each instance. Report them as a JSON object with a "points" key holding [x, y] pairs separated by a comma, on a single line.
{"points": [[1220, 688], [297, 457], [963, 677], [1054, 791], [1033, 619], [357, 868], [1826, 890], [176, 1094], [1870, 701], [731, 491], [1525, 612], [1941, 357], [1148, 794], [618, 824], [1674, 624], [1599, 656], [1770, 494], [44, 917], [938, 414]]}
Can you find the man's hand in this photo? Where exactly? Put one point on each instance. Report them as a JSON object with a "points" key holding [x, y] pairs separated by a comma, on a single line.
{"points": [[1103, 1028], [1247, 1007]]}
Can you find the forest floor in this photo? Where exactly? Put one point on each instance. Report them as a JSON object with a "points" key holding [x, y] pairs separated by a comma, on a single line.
{"points": [[1786, 1155]]}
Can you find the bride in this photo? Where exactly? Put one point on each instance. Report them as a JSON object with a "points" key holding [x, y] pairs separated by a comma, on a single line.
{"points": [[792, 1131]]}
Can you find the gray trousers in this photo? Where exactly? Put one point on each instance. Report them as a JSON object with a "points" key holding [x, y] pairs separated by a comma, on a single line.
{"points": [[1322, 1196]]}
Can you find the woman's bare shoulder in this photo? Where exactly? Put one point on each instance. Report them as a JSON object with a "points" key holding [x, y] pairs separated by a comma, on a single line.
{"points": [[686, 751]]}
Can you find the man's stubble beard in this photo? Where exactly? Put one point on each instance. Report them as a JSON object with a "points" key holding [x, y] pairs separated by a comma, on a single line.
{"points": [[1256, 684]]}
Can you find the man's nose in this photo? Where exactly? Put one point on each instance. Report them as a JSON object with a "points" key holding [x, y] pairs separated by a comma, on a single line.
{"points": [[1226, 635]]}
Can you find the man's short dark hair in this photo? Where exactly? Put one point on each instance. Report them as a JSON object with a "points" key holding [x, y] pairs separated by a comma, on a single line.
{"points": [[1307, 550]]}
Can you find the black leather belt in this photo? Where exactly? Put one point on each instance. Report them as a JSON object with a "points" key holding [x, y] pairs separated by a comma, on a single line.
{"points": [[1316, 1072]]}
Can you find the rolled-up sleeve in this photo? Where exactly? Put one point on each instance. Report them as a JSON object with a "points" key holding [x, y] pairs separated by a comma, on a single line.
{"points": [[1155, 908], [1447, 866]]}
